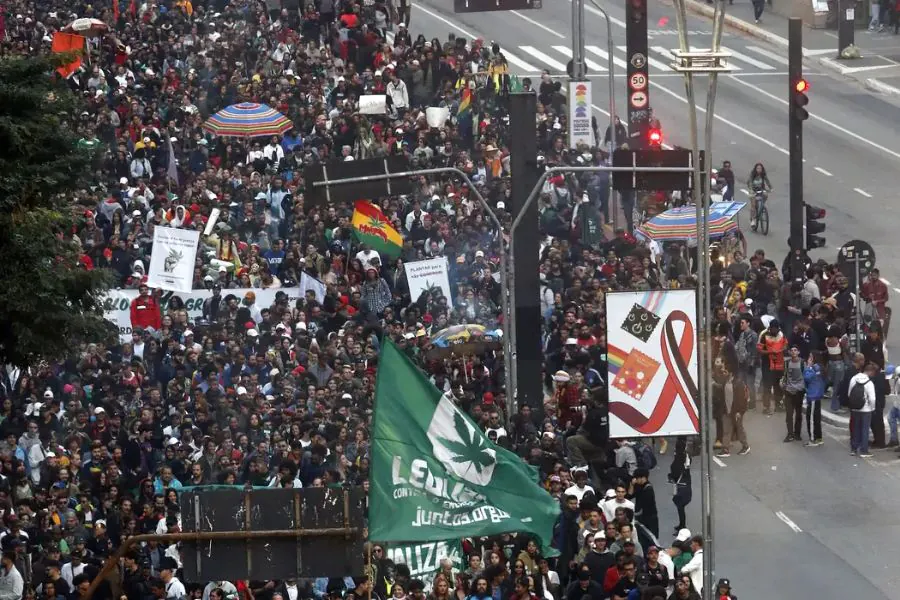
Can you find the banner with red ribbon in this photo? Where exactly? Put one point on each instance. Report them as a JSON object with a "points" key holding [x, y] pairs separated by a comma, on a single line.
{"points": [[652, 363]]}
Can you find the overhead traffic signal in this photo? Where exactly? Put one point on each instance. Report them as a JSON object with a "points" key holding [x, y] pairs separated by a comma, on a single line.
{"points": [[799, 100], [814, 226], [654, 138]]}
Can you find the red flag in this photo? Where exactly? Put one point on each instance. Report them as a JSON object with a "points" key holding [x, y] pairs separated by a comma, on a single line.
{"points": [[67, 42]]}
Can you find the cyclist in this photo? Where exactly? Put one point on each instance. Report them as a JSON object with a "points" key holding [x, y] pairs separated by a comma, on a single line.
{"points": [[757, 183]]}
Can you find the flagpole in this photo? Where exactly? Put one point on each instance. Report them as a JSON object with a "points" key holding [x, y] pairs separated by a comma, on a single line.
{"points": [[369, 569]]}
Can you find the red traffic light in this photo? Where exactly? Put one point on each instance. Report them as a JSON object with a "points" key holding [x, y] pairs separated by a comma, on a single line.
{"points": [[814, 212], [655, 136], [802, 86]]}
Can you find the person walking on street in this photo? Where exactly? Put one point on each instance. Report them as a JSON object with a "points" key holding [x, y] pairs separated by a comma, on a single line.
{"points": [[771, 346], [814, 377], [862, 404], [745, 347], [794, 388]]}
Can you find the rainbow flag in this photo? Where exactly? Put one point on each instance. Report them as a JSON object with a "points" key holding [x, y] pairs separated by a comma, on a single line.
{"points": [[465, 104], [372, 228]]}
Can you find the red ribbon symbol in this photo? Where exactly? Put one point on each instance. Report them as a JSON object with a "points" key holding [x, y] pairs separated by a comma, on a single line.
{"points": [[682, 387]]}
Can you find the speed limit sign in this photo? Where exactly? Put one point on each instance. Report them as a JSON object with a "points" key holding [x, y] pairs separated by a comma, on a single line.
{"points": [[637, 81]]}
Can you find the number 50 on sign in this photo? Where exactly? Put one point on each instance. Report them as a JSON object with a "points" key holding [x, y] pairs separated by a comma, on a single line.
{"points": [[637, 81]]}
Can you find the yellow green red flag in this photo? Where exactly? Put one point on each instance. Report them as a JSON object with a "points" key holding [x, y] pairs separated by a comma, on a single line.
{"points": [[372, 228]]}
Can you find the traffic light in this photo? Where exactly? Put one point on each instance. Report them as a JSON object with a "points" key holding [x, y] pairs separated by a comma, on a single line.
{"points": [[814, 226], [654, 138], [800, 100]]}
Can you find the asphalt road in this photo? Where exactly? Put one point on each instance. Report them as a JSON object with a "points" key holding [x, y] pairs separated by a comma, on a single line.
{"points": [[791, 522], [797, 522], [851, 143]]}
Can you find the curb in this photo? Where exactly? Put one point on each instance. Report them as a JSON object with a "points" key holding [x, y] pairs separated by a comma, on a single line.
{"points": [[736, 23], [702, 8], [835, 419], [881, 88]]}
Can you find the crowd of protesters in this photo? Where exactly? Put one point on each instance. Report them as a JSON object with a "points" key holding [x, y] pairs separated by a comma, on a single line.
{"points": [[96, 449]]}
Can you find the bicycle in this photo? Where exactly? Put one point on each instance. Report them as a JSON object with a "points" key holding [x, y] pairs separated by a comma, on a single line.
{"points": [[762, 213]]}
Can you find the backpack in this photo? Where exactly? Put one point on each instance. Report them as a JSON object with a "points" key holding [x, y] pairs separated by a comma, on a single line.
{"points": [[646, 458], [856, 399]]}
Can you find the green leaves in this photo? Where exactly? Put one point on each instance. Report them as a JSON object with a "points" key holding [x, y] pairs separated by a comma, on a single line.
{"points": [[49, 303], [471, 449]]}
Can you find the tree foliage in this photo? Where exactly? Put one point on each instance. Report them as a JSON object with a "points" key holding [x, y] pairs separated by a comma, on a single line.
{"points": [[49, 303]]}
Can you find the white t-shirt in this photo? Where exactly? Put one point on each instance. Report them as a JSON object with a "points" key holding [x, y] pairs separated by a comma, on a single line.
{"points": [[579, 492]]}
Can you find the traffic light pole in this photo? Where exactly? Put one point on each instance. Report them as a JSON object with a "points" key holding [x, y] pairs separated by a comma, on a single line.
{"points": [[638, 97], [795, 132]]}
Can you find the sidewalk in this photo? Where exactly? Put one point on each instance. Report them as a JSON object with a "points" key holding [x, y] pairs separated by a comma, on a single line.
{"points": [[878, 69]]}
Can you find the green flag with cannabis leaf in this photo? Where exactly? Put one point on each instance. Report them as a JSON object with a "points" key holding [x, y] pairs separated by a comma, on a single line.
{"points": [[435, 475]]}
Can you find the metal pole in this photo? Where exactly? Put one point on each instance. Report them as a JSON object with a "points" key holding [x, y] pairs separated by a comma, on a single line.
{"points": [[612, 110], [858, 303], [578, 69], [504, 272], [702, 212], [709, 553]]}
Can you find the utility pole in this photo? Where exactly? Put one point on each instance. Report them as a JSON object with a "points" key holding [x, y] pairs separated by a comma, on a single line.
{"points": [[796, 115], [846, 22], [525, 306], [579, 71], [638, 77]]}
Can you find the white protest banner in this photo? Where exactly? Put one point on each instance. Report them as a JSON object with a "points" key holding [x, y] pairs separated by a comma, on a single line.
{"points": [[308, 282], [172, 259], [427, 274], [437, 115], [424, 559], [372, 104], [117, 303]]}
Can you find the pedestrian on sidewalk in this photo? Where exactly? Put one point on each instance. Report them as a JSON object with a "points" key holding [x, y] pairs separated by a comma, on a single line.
{"points": [[794, 388], [758, 7], [875, 15], [815, 391], [862, 417]]}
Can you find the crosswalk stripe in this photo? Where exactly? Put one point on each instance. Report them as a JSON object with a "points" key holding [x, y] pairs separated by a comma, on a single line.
{"points": [[523, 66], [602, 54], [752, 61], [767, 54], [653, 62], [593, 66], [548, 60]]}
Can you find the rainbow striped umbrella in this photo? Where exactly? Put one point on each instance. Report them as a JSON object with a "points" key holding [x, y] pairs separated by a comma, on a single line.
{"points": [[247, 120], [680, 224]]}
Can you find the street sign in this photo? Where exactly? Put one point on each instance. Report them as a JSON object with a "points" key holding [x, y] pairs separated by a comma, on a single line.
{"points": [[847, 260], [470, 6], [623, 181], [580, 129], [637, 81], [637, 50], [638, 99]]}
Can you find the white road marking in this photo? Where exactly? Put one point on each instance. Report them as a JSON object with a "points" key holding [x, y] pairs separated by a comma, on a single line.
{"points": [[605, 56], [862, 192], [536, 24], [756, 63], [788, 522], [746, 192], [835, 126], [885, 281], [544, 58], [719, 461], [817, 52], [897, 290], [823, 172], [770, 55], [593, 66], [613, 20], [511, 58]]}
